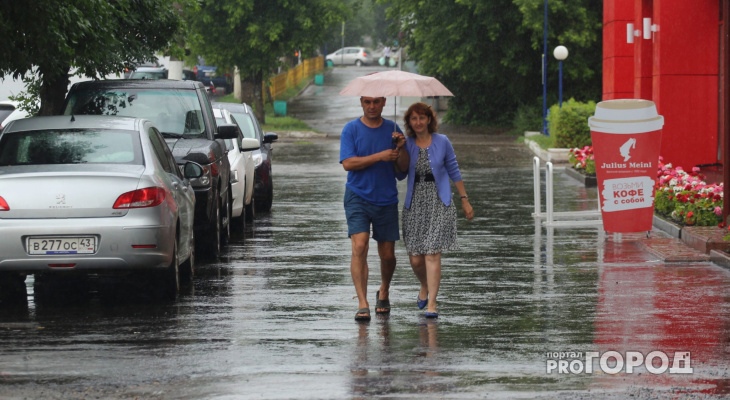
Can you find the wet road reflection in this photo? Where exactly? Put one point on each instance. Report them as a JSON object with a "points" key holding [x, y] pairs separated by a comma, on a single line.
{"points": [[273, 318]]}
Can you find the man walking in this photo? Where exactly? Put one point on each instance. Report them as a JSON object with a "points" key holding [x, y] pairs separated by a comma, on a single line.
{"points": [[369, 148]]}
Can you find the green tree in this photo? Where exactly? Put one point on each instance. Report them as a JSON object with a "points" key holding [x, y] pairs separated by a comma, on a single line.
{"points": [[47, 38], [488, 52], [253, 35]]}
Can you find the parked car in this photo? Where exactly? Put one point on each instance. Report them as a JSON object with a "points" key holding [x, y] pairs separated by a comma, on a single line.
{"points": [[149, 73], [182, 112], [9, 111], [242, 172], [94, 194], [208, 74], [189, 75], [263, 190], [132, 66], [350, 56]]}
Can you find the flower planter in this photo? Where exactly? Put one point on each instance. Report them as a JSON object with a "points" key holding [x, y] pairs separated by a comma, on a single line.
{"points": [[705, 238], [665, 225], [587, 180], [720, 258]]}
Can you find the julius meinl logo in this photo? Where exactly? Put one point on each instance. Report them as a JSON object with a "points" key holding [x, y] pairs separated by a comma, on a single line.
{"points": [[612, 362]]}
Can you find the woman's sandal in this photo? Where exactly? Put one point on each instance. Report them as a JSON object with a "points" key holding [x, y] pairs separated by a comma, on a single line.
{"points": [[381, 306], [421, 303]]}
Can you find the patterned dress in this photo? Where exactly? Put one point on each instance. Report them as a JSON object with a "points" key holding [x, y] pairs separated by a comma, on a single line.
{"points": [[429, 227]]}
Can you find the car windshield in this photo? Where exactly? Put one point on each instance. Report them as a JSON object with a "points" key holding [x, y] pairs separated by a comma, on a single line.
{"points": [[70, 147], [174, 112], [246, 124], [148, 75]]}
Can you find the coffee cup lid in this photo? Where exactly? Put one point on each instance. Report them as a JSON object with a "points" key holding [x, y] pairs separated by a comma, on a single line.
{"points": [[626, 116]]}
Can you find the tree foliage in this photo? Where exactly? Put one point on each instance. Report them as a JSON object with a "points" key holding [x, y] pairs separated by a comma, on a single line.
{"points": [[365, 25], [253, 35], [489, 52], [47, 38]]}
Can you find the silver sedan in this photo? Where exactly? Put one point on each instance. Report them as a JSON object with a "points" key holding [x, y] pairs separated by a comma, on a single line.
{"points": [[94, 195]]}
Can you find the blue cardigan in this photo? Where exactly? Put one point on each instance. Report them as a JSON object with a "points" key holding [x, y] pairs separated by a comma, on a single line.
{"points": [[443, 164]]}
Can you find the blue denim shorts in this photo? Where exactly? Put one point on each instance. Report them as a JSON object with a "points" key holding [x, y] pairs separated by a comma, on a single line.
{"points": [[361, 215]]}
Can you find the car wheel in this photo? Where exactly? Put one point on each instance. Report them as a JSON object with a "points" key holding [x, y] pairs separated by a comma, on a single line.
{"points": [[187, 268], [267, 199], [211, 245], [167, 281], [226, 221], [239, 223], [358, 63], [251, 209]]}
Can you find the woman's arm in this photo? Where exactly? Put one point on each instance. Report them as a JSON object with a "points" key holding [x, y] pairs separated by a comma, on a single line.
{"points": [[465, 205]]}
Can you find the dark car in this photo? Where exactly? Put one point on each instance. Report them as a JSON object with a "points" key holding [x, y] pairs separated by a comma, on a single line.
{"points": [[182, 112], [263, 190], [207, 74]]}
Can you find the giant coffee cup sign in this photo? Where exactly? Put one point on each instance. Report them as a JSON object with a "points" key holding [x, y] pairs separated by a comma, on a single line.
{"points": [[626, 136]]}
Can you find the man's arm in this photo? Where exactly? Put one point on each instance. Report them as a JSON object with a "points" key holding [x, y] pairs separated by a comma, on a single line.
{"points": [[358, 163]]}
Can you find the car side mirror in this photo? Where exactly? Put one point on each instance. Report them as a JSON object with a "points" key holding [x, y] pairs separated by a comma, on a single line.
{"points": [[227, 131], [192, 170], [250, 144], [270, 137]]}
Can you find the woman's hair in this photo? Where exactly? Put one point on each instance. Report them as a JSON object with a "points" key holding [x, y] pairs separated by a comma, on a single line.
{"points": [[421, 109]]}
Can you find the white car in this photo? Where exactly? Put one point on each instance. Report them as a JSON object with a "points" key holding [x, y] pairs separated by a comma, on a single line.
{"points": [[240, 156], [358, 56], [9, 111]]}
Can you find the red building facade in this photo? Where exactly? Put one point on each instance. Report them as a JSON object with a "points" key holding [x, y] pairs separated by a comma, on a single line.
{"points": [[675, 53]]}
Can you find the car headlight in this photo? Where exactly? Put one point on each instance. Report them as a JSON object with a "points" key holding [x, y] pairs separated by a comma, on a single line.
{"points": [[205, 180], [258, 158]]}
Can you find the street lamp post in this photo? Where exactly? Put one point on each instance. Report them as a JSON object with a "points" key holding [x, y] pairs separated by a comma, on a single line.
{"points": [[560, 53], [544, 69]]}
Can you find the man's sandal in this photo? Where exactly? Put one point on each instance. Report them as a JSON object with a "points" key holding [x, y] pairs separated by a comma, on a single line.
{"points": [[362, 314], [381, 306]]}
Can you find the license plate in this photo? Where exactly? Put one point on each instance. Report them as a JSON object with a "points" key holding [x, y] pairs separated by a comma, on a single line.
{"points": [[61, 245]]}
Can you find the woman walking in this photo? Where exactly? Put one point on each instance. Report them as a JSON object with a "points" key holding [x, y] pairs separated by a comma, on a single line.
{"points": [[429, 215]]}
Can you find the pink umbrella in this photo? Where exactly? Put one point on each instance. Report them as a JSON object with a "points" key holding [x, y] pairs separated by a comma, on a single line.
{"points": [[395, 83]]}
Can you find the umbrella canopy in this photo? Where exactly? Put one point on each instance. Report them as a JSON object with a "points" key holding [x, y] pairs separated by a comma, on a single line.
{"points": [[395, 83]]}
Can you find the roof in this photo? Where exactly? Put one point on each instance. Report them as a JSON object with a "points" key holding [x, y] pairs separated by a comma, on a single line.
{"points": [[74, 122], [140, 84]]}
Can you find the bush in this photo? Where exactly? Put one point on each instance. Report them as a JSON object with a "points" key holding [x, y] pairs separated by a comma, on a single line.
{"points": [[569, 124], [527, 119]]}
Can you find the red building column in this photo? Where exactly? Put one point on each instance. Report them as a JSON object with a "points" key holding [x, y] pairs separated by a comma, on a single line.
{"points": [[618, 56], [685, 79]]}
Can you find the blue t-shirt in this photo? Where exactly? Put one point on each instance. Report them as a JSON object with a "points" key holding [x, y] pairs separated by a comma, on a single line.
{"points": [[376, 183]]}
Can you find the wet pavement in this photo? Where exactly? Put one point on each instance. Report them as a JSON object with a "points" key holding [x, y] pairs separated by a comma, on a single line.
{"points": [[273, 318]]}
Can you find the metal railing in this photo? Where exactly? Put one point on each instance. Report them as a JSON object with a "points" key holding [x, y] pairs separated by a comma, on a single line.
{"points": [[559, 218]]}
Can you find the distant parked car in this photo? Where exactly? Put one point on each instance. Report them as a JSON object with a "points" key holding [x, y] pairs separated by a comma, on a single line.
{"points": [[132, 66], [9, 111], [350, 56], [250, 126], [149, 73], [242, 172], [207, 74], [94, 195]]}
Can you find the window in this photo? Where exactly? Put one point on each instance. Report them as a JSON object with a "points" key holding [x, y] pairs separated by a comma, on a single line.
{"points": [[70, 147]]}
